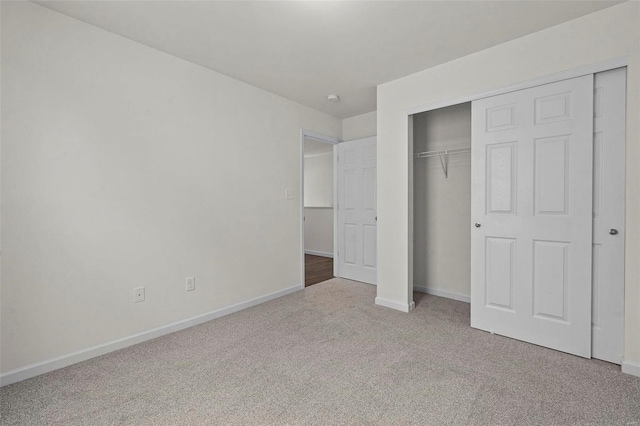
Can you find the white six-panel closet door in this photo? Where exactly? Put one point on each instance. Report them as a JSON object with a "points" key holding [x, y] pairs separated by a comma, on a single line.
{"points": [[532, 215]]}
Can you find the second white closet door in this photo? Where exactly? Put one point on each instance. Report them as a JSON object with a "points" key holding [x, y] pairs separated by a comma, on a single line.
{"points": [[531, 208], [608, 215]]}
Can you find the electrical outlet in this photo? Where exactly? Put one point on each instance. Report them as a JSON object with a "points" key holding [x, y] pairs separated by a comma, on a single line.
{"points": [[191, 283], [138, 294]]}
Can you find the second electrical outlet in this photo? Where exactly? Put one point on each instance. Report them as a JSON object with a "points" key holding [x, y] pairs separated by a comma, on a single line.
{"points": [[191, 283], [138, 294]]}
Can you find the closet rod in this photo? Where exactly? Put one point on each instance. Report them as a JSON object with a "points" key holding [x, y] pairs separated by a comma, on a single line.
{"points": [[427, 154], [444, 156]]}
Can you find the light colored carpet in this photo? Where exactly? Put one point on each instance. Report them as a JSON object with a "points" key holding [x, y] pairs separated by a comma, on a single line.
{"points": [[328, 355]]}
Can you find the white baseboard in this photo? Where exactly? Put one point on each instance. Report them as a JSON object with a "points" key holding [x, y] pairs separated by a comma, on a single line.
{"points": [[46, 366], [318, 253], [404, 307], [632, 368], [441, 293]]}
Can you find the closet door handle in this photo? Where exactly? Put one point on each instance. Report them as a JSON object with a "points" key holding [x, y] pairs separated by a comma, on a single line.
{"points": [[613, 231], [477, 225]]}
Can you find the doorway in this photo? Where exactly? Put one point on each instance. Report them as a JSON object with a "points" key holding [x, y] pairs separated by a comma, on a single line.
{"points": [[317, 207]]}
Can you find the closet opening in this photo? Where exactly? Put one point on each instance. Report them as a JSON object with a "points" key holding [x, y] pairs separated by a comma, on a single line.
{"points": [[442, 202], [529, 227]]}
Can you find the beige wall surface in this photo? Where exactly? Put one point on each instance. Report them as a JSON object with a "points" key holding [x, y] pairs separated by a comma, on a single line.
{"points": [[318, 230], [318, 179], [318, 200], [442, 204], [359, 126], [123, 167], [611, 33]]}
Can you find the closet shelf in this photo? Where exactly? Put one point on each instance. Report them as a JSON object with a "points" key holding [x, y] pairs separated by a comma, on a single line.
{"points": [[441, 152], [444, 156]]}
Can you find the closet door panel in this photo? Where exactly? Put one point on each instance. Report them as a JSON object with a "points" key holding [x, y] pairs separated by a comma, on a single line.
{"points": [[350, 243], [499, 282], [369, 246], [551, 175], [550, 280], [608, 214], [531, 212], [501, 175]]}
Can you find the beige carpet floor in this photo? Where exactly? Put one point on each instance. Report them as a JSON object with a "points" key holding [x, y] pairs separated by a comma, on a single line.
{"points": [[327, 355]]}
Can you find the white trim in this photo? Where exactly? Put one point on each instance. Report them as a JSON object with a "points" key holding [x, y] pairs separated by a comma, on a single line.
{"points": [[319, 154], [318, 253], [301, 202], [334, 141], [403, 307], [552, 78], [442, 293], [632, 368], [46, 366], [319, 137], [336, 265]]}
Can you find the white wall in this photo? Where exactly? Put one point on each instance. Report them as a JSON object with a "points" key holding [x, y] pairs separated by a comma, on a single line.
{"points": [[318, 197], [610, 33], [359, 126], [442, 205], [318, 231], [122, 167], [318, 179]]}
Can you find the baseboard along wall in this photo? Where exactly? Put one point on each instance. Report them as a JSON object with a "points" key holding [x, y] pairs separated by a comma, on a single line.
{"points": [[318, 253], [62, 361], [46, 366], [632, 368], [442, 293], [403, 307]]}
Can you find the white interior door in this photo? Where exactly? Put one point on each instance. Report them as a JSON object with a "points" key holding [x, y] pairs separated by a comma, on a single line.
{"points": [[532, 207], [608, 214], [357, 215]]}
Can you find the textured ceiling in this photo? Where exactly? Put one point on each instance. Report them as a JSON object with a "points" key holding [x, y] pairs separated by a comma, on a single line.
{"points": [[307, 50]]}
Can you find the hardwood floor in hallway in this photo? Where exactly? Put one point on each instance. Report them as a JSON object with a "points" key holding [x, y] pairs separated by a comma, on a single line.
{"points": [[317, 269]]}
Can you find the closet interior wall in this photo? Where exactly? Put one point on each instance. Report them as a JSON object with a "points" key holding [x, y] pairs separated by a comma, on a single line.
{"points": [[442, 204]]}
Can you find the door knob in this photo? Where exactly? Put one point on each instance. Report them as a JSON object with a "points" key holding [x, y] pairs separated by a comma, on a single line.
{"points": [[613, 231], [477, 225]]}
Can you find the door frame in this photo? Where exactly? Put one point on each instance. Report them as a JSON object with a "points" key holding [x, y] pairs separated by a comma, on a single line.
{"points": [[539, 81], [333, 141]]}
